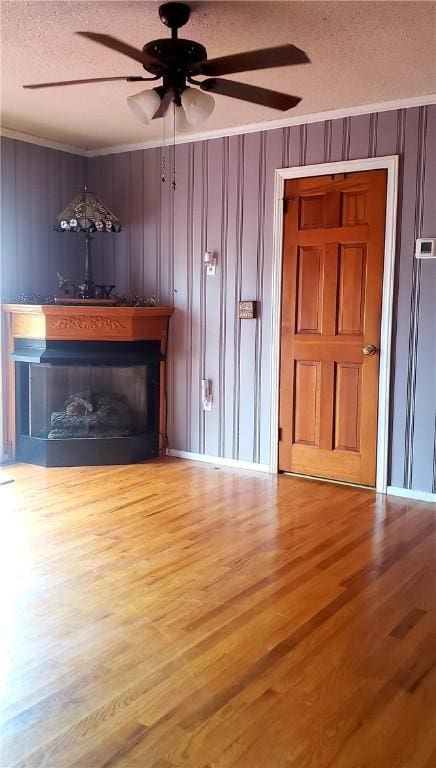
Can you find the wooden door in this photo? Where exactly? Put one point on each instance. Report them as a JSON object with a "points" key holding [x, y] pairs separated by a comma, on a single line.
{"points": [[334, 228]]}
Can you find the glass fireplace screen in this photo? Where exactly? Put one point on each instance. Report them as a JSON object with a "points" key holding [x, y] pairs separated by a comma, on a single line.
{"points": [[75, 401]]}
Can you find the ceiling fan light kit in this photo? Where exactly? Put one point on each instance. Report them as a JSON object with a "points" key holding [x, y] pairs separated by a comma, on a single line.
{"points": [[144, 105], [181, 123], [176, 62], [198, 106]]}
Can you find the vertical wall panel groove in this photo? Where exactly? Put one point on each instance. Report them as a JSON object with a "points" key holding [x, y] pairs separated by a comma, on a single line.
{"points": [[171, 297], [303, 144], [129, 204], [372, 142], [202, 319], [9, 258], [189, 275], [171, 192], [159, 193], [346, 133], [414, 303], [223, 296], [136, 260], [259, 295], [399, 150], [422, 469], [113, 242], [407, 137], [285, 147], [141, 203], [327, 141], [237, 292]]}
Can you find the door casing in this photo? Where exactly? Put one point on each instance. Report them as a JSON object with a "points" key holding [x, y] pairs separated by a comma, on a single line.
{"points": [[390, 163]]}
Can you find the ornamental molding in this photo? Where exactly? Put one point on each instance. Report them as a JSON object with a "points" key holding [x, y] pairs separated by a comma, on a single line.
{"points": [[89, 323]]}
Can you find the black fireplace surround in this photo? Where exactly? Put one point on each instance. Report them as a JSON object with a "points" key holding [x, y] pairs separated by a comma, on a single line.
{"points": [[84, 403]]}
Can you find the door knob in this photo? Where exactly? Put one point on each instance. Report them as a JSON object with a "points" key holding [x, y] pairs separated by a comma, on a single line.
{"points": [[369, 350]]}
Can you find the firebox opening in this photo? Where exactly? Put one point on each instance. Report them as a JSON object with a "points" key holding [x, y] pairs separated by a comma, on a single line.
{"points": [[81, 403]]}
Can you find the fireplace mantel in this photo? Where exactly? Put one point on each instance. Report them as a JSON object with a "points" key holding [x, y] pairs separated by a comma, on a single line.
{"points": [[53, 322], [87, 323]]}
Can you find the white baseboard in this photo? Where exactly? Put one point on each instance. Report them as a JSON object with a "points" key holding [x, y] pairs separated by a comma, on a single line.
{"points": [[408, 493], [218, 460]]}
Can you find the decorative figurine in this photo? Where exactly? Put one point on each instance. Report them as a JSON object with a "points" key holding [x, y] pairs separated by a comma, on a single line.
{"points": [[71, 291]]}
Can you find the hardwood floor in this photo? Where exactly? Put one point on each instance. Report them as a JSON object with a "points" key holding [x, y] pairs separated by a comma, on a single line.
{"points": [[174, 615]]}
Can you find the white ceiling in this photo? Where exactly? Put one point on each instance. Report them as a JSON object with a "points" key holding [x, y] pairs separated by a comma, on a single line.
{"points": [[361, 52]]}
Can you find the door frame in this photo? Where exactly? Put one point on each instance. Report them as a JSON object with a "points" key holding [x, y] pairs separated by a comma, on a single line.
{"points": [[390, 164]]}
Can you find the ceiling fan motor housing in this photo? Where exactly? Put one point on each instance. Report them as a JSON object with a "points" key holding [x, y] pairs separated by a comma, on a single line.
{"points": [[174, 54], [174, 59]]}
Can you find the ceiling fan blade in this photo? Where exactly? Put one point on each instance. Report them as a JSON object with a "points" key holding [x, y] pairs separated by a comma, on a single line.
{"points": [[265, 58], [253, 93], [120, 46], [129, 79], [167, 97]]}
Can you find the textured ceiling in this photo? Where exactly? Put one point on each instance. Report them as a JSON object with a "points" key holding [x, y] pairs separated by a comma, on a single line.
{"points": [[361, 52]]}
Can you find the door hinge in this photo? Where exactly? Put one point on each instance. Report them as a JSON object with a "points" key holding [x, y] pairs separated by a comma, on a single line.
{"points": [[286, 202], [280, 434]]}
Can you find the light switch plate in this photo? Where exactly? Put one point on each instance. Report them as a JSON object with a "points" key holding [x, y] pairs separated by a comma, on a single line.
{"points": [[247, 310]]}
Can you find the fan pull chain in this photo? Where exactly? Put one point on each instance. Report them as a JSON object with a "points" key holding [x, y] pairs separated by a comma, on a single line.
{"points": [[164, 159], [173, 180]]}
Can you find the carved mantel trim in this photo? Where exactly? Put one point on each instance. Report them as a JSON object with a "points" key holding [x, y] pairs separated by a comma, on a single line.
{"points": [[88, 322]]}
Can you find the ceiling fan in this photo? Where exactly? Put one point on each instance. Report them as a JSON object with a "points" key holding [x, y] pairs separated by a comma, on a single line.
{"points": [[177, 62]]}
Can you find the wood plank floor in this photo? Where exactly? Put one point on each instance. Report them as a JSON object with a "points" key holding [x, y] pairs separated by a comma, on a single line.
{"points": [[173, 615]]}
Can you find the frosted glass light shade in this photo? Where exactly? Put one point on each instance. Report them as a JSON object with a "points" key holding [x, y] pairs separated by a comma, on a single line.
{"points": [[181, 124], [144, 105], [197, 105]]}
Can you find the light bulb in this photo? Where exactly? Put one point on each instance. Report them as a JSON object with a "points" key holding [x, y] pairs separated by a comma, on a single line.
{"points": [[144, 105], [197, 105]]}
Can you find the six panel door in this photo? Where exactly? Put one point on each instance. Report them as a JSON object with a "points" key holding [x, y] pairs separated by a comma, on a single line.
{"points": [[334, 230]]}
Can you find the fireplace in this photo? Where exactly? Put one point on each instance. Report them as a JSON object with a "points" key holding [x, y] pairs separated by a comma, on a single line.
{"points": [[86, 402], [93, 394]]}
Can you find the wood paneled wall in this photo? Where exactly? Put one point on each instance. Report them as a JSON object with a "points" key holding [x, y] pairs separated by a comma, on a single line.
{"points": [[36, 184], [224, 202]]}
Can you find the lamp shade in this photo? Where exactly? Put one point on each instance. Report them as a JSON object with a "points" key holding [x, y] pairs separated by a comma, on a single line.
{"points": [[144, 105], [86, 213], [198, 105]]}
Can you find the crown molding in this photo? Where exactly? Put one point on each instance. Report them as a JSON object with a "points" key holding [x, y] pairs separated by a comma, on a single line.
{"points": [[8, 133], [285, 122], [266, 125]]}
